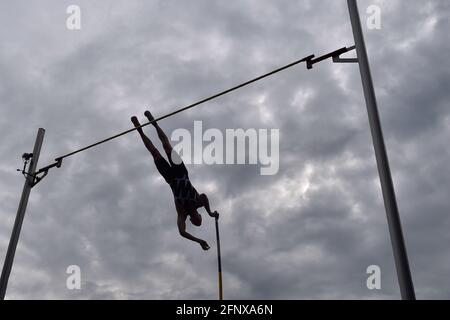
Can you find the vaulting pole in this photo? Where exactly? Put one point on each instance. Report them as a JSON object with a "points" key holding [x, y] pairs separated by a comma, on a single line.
{"points": [[7, 265], [387, 186], [219, 261]]}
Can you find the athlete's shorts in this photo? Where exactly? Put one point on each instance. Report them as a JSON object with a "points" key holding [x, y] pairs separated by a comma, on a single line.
{"points": [[170, 171], [176, 175]]}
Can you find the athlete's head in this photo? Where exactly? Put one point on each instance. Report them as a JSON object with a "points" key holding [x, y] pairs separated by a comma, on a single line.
{"points": [[196, 218]]}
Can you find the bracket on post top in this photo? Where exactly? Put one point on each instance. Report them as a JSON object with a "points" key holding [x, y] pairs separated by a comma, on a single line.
{"points": [[41, 173], [335, 55]]}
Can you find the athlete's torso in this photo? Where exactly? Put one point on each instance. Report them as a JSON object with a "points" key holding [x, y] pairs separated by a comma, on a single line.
{"points": [[183, 190]]}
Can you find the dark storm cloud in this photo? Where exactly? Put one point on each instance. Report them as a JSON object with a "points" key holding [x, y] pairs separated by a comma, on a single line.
{"points": [[308, 232]]}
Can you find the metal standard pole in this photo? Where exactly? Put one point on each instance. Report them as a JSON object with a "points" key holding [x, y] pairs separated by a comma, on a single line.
{"points": [[7, 265], [219, 260], [390, 203]]}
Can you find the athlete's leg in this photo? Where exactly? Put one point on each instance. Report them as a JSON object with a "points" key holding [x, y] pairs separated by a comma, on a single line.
{"points": [[179, 169], [162, 136], [147, 142]]}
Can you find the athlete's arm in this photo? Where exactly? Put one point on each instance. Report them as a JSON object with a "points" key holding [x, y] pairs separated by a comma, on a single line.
{"points": [[182, 230], [205, 202]]}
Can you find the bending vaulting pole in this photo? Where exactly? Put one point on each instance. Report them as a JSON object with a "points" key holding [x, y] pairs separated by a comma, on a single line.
{"points": [[390, 202], [9, 259], [219, 261]]}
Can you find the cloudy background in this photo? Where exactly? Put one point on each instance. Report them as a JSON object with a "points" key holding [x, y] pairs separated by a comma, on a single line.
{"points": [[308, 232]]}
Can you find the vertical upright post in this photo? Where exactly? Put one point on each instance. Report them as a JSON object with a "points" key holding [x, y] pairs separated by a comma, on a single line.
{"points": [[219, 261], [7, 265], [390, 202]]}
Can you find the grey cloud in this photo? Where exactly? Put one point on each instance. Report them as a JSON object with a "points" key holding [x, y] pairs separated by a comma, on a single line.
{"points": [[308, 232]]}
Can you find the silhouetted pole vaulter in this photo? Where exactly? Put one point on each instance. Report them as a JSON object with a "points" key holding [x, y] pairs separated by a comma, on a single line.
{"points": [[387, 186], [219, 260], [186, 198], [29, 183]]}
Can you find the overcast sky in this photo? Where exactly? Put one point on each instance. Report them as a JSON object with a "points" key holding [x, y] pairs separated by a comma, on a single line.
{"points": [[308, 232]]}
